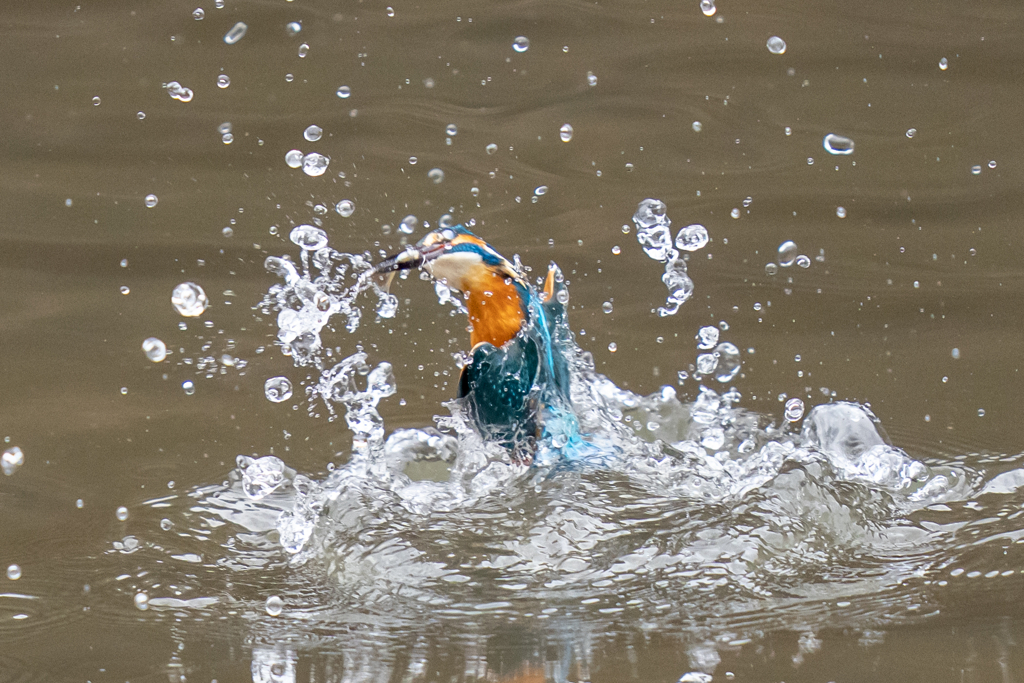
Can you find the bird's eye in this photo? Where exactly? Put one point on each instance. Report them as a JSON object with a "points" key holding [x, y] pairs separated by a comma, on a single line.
{"points": [[448, 235]]}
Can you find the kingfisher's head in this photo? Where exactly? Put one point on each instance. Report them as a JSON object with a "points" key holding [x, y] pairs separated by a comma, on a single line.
{"points": [[495, 291], [454, 256]]}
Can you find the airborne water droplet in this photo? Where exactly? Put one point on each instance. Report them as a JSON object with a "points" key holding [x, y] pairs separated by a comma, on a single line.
{"points": [[344, 92], [12, 459], [223, 81], [274, 606], [794, 409], [309, 237], [151, 200], [313, 133], [345, 208], [943, 63], [521, 44], [154, 349], [293, 158], [565, 132], [236, 33], [837, 144], [277, 389], [315, 164], [436, 175], [776, 45], [692, 238], [189, 299], [787, 253], [841, 211], [708, 7]]}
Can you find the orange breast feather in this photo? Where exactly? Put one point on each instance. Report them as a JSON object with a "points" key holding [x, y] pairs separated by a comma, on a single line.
{"points": [[495, 308]]}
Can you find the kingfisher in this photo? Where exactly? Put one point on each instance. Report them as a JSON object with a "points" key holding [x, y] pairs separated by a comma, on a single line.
{"points": [[516, 383]]}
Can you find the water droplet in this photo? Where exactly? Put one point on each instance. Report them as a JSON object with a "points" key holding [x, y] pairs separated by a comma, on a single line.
{"points": [[227, 138], [607, 307], [151, 200], [787, 253], [292, 28], [943, 63], [794, 409], [309, 237], [313, 133], [803, 261], [451, 129], [697, 126], [613, 347], [955, 353], [706, 363], [992, 164], [277, 389], [708, 7], [692, 237], [771, 268], [95, 101], [521, 44], [390, 11], [178, 92], [591, 79], [981, 413], [141, 115], [124, 263], [198, 14], [776, 45], [540, 190], [154, 349], [125, 290], [223, 81], [142, 601], [436, 175], [293, 158], [728, 362], [275, 606], [911, 132], [492, 148], [565, 132], [345, 208], [837, 144], [651, 212], [344, 92], [735, 213], [315, 164], [121, 513], [616, 250], [13, 572], [189, 299], [303, 50], [188, 387], [707, 337], [408, 225], [841, 211], [236, 33], [975, 170], [11, 460]]}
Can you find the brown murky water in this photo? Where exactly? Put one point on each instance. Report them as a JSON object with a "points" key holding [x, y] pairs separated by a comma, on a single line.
{"points": [[910, 304]]}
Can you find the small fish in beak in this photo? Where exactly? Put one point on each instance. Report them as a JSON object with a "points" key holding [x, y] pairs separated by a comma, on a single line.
{"points": [[411, 257]]}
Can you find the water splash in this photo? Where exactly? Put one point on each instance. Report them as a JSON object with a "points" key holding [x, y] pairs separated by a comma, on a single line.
{"points": [[653, 233]]}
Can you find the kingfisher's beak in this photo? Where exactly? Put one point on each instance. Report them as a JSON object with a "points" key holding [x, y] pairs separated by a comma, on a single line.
{"points": [[411, 257]]}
